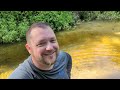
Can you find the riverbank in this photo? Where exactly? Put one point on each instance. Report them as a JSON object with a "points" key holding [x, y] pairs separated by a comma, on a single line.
{"points": [[94, 47]]}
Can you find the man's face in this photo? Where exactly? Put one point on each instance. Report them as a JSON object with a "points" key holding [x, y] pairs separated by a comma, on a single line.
{"points": [[43, 46]]}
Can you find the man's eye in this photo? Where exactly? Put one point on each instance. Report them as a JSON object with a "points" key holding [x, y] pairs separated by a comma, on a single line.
{"points": [[41, 44], [53, 41]]}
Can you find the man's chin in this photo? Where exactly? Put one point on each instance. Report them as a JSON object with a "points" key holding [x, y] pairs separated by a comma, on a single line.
{"points": [[50, 64], [51, 61]]}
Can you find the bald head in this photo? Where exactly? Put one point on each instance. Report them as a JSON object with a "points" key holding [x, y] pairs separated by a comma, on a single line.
{"points": [[36, 25]]}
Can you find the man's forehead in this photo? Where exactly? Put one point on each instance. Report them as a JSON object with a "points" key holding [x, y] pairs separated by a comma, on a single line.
{"points": [[42, 33], [41, 30], [44, 39]]}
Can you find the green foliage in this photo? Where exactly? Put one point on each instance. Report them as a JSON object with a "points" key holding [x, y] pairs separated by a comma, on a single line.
{"points": [[9, 37], [88, 15], [22, 28], [59, 20], [109, 15], [98, 15], [14, 24]]}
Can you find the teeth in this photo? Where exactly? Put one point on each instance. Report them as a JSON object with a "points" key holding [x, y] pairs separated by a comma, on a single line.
{"points": [[49, 54]]}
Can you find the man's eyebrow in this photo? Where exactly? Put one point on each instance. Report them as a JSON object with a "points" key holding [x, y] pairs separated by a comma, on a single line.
{"points": [[52, 38], [43, 40]]}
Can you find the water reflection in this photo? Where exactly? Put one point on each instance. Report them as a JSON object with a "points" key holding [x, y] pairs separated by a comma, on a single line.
{"points": [[10, 56], [96, 58]]}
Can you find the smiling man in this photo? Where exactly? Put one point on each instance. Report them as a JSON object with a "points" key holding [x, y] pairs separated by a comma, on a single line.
{"points": [[46, 61]]}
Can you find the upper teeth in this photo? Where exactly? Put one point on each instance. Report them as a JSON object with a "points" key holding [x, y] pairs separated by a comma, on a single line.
{"points": [[49, 54]]}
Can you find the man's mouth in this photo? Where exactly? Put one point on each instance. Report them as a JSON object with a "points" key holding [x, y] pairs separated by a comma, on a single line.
{"points": [[47, 54]]}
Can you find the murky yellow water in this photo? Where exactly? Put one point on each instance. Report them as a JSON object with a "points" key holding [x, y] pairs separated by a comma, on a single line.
{"points": [[95, 59], [95, 50], [94, 47]]}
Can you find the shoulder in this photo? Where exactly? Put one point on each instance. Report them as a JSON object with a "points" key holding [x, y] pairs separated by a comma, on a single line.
{"points": [[63, 56], [67, 57], [19, 74], [22, 71], [62, 53]]}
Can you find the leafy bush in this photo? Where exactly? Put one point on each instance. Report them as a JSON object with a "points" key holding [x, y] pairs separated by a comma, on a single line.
{"points": [[22, 28], [109, 15], [10, 37], [88, 15], [98, 15], [13, 24], [59, 20]]}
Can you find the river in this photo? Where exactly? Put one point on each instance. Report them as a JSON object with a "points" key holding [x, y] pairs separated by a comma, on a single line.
{"points": [[94, 47]]}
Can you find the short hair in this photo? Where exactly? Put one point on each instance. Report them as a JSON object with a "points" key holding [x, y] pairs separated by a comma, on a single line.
{"points": [[34, 25]]}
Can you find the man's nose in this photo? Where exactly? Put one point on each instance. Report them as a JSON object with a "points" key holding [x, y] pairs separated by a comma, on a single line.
{"points": [[49, 46]]}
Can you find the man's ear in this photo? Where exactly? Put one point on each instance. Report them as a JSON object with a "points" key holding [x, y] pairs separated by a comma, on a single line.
{"points": [[28, 48]]}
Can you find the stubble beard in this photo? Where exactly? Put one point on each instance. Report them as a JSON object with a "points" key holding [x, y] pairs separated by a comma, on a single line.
{"points": [[48, 62]]}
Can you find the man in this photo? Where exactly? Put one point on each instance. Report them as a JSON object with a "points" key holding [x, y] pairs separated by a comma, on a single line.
{"points": [[46, 61]]}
